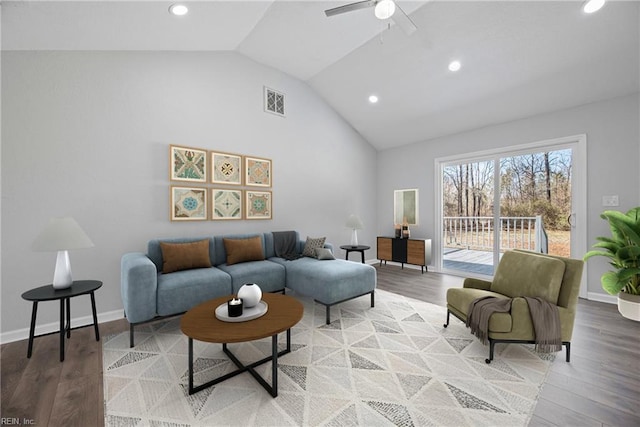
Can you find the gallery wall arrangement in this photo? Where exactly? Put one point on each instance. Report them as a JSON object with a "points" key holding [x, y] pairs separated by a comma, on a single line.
{"points": [[210, 185]]}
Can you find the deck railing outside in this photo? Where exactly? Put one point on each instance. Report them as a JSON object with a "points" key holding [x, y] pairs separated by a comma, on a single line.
{"points": [[477, 233]]}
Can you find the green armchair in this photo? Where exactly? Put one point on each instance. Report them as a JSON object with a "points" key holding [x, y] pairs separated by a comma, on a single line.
{"points": [[523, 274]]}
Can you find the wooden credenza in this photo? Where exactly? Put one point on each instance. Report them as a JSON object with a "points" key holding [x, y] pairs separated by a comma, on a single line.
{"points": [[405, 251]]}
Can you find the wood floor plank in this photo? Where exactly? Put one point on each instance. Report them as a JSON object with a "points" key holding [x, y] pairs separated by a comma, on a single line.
{"points": [[560, 415], [80, 392], [84, 357], [33, 397], [590, 408], [613, 398]]}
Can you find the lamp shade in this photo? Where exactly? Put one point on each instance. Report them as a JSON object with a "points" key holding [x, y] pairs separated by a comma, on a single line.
{"points": [[354, 222], [61, 234]]}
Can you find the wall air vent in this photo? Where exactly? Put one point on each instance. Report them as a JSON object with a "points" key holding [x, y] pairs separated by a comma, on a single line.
{"points": [[273, 102]]}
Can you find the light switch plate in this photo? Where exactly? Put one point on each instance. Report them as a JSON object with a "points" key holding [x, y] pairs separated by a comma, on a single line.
{"points": [[610, 201]]}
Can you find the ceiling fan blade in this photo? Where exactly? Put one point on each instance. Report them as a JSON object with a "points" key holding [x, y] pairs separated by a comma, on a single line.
{"points": [[403, 21], [350, 7]]}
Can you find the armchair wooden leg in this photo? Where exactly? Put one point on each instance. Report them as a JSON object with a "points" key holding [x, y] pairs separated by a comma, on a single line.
{"points": [[567, 345]]}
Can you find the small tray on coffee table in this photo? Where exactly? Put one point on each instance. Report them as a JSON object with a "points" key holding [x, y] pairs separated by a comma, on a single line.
{"points": [[222, 312]]}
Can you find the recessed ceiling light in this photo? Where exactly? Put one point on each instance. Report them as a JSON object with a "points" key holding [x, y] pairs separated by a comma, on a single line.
{"points": [[591, 6], [178, 9], [373, 99], [454, 66]]}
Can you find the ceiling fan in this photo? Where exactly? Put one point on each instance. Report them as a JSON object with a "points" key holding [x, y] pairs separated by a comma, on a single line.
{"points": [[383, 9]]}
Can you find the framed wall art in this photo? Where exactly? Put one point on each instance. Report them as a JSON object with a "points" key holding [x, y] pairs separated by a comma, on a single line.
{"points": [[227, 204], [258, 204], [257, 171], [188, 204], [187, 164], [226, 168]]}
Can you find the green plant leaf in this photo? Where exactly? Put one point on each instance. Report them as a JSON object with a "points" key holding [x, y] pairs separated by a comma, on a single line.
{"points": [[591, 254], [631, 235], [610, 283], [629, 255], [626, 274], [610, 246]]}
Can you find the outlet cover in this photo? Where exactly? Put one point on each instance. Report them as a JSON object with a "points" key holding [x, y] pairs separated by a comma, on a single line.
{"points": [[610, 201]]}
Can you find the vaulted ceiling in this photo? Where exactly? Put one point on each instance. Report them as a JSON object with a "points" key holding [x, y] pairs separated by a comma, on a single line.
{"points": [[518, 58]]}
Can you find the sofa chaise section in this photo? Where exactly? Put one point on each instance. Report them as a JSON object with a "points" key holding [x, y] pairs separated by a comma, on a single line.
{"points": [[330, 282]]}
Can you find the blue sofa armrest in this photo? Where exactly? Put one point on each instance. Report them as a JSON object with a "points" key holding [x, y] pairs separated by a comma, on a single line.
{"points": [[138, 287]]}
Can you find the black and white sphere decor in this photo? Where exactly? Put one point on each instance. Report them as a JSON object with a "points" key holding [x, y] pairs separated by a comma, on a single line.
{"points": [[251, 294]]}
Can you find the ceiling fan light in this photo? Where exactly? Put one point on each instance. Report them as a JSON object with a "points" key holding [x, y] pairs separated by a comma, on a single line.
{"points": [[591, 6], [385, 9]]}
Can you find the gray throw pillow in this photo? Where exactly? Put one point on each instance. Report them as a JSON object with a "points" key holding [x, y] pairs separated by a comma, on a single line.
{"points": [[311, 245], [324, 253]]}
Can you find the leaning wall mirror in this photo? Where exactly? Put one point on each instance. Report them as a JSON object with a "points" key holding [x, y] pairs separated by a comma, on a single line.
{"points": [[405, 205]]}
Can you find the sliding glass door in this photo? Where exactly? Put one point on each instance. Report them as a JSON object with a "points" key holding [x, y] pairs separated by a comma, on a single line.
{"points": [[514, 199]]}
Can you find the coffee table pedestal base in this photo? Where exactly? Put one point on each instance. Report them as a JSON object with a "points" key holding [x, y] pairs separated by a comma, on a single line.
{"points": [[271, 388]]}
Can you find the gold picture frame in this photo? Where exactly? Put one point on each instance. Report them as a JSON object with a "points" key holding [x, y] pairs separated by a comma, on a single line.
{"points": [[258, 171], [226, 204], [189, 203], [188, 164], [226, 168], [258, 204]]}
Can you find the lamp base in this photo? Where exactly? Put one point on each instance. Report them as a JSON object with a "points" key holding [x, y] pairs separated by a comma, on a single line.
{"points": [[354, 238], [62, 275]]}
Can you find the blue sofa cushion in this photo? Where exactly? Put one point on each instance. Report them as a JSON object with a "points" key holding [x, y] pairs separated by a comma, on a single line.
{"points": [[268, 275], [182, 290]]}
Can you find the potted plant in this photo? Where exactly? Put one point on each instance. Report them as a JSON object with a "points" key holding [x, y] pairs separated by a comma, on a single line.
{"points": [[623, 251]]}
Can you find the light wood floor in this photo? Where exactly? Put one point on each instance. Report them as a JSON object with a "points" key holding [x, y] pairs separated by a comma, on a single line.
{"points": [[600, 387]]}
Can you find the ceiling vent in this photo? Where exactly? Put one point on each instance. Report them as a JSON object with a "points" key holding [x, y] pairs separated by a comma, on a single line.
{"points": [[273, 102]]}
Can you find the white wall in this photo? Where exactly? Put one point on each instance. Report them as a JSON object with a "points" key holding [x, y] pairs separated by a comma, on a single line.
{"points": [[87, 134], [613, 147]]}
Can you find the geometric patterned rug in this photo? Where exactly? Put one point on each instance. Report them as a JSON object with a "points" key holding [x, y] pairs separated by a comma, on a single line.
{"points": [[393, 364]]}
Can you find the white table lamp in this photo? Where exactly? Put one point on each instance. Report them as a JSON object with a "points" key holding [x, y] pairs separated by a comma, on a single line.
{"points": [[60, 235], [355, 224]]}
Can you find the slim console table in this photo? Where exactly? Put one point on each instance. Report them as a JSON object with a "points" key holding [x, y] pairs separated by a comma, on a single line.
{"points": [[405, 251]]}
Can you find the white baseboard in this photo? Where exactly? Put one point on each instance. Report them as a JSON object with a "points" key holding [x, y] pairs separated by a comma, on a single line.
{"points": [[22, 334], [597, 296]]}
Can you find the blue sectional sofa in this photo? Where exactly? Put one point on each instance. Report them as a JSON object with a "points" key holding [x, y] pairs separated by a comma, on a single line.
{"points": [[149, 291]]}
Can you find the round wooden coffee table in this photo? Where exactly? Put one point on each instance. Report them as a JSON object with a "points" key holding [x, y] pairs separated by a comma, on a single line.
{"points": [[200, 323]]}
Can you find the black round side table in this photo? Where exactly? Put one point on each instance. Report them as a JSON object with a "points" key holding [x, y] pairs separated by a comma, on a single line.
{"points": [[48, 293], [358, 248]]}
